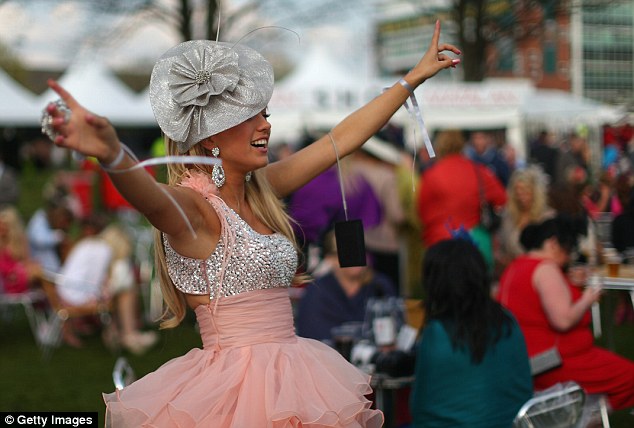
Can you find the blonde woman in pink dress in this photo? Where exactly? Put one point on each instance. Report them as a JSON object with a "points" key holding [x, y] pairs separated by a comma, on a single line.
{"points": [[225, 246]]}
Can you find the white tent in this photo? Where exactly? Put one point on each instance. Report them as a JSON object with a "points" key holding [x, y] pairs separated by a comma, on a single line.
{"points": [[100, 91], [459, 105], [318, 92], [320, 82], [142, 104], [554, 107], [510, 104], [18, 106]]}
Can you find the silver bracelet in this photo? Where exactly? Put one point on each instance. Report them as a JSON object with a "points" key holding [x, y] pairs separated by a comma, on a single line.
{"points": [[406, 85], [117, 160]]}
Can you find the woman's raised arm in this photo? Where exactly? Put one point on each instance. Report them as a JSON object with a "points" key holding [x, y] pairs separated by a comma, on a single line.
{"points": [[92, 135], [293, 172]]}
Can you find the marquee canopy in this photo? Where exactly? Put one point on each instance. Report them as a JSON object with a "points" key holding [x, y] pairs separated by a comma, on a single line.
{"points": [[18, 106], [320, 93], [94, 86]]}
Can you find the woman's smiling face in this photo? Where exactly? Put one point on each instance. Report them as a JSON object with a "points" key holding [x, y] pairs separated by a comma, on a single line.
{"points": [[245, 146]]}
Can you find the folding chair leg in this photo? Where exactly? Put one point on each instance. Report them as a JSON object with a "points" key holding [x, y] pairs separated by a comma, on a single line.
{"points": [[604, 412], [35, 320], [53, 337]]}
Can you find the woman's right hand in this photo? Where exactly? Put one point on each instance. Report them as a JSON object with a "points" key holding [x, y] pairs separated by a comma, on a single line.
{"points": [[84, 132], [592, 295]]}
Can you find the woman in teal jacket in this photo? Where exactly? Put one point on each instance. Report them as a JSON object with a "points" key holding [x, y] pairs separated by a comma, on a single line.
{"points": [[472, 367]]}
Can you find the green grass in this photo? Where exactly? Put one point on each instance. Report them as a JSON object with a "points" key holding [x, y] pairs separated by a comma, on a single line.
{"points": [[619, 339], [72, 379], [32, 183]]}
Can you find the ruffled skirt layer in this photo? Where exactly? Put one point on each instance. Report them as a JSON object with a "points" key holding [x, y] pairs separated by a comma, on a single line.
{"points": [[265, 378]]}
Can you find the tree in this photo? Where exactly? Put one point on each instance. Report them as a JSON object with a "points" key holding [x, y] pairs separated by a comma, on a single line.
{"points": [[183, 14], [470, 17], [483, 22]]}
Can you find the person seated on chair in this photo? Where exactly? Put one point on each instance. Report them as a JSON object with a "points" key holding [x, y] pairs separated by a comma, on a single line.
{"points": [[472, 367], [18, 271], [99, 268], [338, 296], [47, 232], [553, 312]]}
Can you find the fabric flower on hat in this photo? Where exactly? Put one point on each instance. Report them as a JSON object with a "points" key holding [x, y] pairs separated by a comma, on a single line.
{"points": [[201, 73]]}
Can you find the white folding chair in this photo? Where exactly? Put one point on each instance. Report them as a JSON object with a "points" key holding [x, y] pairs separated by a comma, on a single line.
{"points": [[560, 406], [595, 409], [122, 373], [62, 312], [27, 300]]}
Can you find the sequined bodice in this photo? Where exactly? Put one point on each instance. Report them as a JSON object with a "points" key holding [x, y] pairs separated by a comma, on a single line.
{"points": [[254, 262]]}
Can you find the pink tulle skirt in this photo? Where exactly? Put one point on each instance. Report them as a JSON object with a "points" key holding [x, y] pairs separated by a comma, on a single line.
{"points": [[252, 372]]}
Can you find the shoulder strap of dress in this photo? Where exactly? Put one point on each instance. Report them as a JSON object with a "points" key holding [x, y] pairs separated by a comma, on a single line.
{"points": [[228, 240], [201, 183]]}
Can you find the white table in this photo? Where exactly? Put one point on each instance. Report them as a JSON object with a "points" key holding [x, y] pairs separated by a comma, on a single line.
{"points": [[624, 282]]}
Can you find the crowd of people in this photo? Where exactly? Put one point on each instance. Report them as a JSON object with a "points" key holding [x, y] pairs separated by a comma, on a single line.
{"points": [[88, 260], [548, 224], [232, 237]]}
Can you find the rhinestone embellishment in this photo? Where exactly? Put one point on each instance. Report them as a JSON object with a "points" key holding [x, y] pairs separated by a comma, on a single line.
{"points": [[202, 76], [256, 262], [218, 175]]}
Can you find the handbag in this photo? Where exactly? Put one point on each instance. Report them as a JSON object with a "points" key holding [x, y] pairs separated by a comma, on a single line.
{"points": [[490, 219], [545, 361]]}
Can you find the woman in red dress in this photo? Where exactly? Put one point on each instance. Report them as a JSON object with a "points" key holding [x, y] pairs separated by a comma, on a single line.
{"points": [[552, 311]]}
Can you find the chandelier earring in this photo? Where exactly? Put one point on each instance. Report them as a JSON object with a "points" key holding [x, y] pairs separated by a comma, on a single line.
{"points": [[217, 172], [247, 177]]}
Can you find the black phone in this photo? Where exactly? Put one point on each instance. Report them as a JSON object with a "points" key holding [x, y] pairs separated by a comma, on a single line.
{"points": [[350, 243]]}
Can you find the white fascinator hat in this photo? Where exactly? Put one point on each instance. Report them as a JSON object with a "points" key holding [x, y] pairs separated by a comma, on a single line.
{"points": [[202, 87]]}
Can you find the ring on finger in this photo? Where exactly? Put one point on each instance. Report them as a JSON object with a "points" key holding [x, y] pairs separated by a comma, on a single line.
{"points": [[47, 119], [61, 106], [47, 126]]}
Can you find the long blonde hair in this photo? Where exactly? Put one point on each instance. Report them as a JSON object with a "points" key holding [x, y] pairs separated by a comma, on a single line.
{"points": [[15, 241], [266, 206], [535, 178], [118, 240]]}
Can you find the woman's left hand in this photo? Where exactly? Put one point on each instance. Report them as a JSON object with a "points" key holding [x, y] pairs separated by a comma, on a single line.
{"points": [[433, 61]]}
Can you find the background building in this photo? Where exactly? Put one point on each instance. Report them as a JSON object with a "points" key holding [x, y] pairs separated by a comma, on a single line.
{"points": [[530, 40], [603, 48], [581, 46]]}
